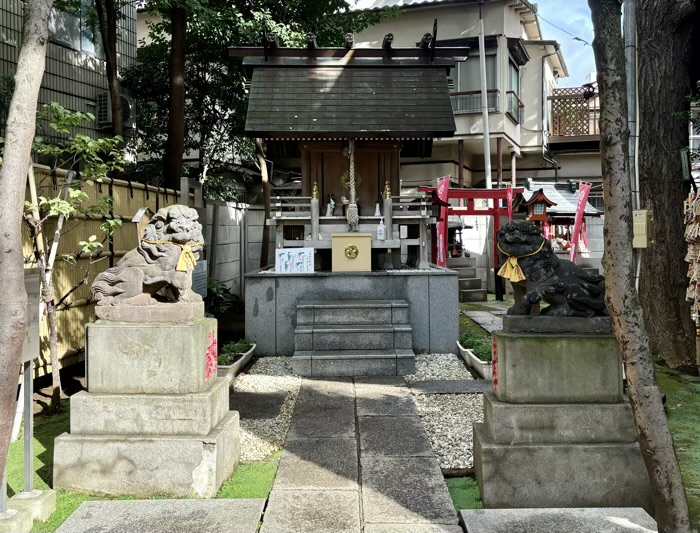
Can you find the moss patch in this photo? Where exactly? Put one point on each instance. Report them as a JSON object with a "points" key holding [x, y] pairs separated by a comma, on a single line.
{"points": [[467, 325], [251, 480], [464, 493], [683, 413]]}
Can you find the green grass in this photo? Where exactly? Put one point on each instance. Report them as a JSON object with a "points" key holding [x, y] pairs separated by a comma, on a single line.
{"points": [[464, 493], [481, 345], [250, 480], [683, 413]]}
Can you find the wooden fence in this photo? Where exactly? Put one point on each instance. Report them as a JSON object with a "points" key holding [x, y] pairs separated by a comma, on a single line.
{"points": [[78, 310]]}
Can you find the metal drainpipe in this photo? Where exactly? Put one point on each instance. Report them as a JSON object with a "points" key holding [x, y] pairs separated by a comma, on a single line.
{"points": [[548, 158], [630, 36]]}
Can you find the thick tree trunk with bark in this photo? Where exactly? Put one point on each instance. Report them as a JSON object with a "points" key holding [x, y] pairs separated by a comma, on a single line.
{"points": [[623, 304], [175, 145], [108, 17], [664, 54], [19, 135], [265, 246]]}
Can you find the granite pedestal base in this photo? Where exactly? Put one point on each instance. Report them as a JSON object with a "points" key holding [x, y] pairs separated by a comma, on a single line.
{"points": [[156, 419], [557, 430], [181, 466]]}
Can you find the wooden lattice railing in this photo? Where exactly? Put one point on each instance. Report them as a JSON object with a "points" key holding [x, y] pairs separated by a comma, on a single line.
{"points": [[572, 114]]}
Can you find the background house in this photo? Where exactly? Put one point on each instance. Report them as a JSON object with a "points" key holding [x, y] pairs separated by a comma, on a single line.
{"points": [[537, 130], [75, 75]]}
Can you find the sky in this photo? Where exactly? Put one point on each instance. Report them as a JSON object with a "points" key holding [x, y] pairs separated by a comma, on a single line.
{"points": [[574, 16]]}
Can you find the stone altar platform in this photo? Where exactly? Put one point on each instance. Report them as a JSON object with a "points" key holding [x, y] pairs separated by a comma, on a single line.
{"points": [[271, 302], [558, 430], [156, 419]]}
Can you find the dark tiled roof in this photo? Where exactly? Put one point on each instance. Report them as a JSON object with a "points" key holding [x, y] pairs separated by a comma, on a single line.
{"points": [[308, 101]]}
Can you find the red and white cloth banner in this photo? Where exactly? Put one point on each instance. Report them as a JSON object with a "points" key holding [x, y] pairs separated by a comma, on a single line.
{"points": [[548, 230], [583, 192], [509, 195], [442, 194]]}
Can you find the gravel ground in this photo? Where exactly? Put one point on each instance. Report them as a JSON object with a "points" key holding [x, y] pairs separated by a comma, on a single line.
{"points": [[438, 366], [447, 418], [263, 437]]}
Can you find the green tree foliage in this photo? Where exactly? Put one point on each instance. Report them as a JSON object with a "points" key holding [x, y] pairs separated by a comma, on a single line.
{"points": [[215, 84], [87, 160]]}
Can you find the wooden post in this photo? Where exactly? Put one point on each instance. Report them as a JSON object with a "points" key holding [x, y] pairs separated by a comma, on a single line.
{"points": [[314, 214], [513, 160], [497, 280], [423, 263], [388, 217]]}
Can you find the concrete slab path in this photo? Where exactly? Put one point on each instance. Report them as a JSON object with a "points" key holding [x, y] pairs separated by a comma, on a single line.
{"points": [[357, 459], [165, 516]]}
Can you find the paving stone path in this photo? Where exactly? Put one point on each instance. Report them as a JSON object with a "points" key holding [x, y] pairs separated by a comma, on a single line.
{"points": [[357, 459], [489, 321]]}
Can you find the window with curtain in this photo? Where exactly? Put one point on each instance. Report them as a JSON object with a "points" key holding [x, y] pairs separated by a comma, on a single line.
{"points": [[514, 78], [469, 77], [77, 30]]}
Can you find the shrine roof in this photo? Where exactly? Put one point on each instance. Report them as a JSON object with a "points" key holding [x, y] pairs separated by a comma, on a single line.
{"points": [[561, 195], [365, 98]]}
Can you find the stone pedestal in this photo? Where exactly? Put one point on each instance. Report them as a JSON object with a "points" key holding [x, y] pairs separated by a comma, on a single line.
{"points": [[40, 504], [558, 431], [156, 419]]}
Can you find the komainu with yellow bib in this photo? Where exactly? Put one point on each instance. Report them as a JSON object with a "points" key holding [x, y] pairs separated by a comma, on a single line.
{"points": [[537, 275], [160, 267]]}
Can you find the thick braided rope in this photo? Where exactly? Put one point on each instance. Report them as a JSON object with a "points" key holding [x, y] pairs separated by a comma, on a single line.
{"points": [[353, 215]]}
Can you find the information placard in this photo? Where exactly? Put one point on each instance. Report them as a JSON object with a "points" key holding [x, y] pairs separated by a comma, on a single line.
{"points": [[294, 260]]}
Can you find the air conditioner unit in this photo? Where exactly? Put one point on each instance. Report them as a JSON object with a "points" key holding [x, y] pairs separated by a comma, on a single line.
{"points": [[104, 111]]}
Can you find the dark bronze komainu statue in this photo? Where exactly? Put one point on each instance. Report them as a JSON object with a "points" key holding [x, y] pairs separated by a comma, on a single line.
{"points": [[537, 274], [164, 259]]}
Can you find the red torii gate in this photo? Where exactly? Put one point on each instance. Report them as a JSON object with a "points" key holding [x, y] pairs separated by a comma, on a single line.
{"points": [[497, 211]]}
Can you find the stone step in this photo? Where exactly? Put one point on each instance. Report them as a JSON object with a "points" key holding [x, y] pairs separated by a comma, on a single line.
{"points": [[571, 520], [456, 262], [465, 272], [473, 295], [328, 363], [352, 312], [353, 337], [469, 283]]}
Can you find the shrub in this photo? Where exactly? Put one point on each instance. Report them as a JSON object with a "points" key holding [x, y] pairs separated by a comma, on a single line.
{"points": [[220, 300], [232, 351], [481, 345]]}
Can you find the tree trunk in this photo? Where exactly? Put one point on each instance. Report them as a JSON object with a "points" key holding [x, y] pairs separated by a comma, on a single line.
{"points": [[664, 55], [265, 246], [622, 300], [19, 134], [108, 16], [175, 145]]}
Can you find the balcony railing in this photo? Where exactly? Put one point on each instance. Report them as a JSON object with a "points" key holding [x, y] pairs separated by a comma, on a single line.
{"points": [[470, 101], [572, 114], [514, 107]]}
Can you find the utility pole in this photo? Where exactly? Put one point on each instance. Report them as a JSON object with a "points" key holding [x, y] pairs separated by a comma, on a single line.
{"points": [[484, 98]]}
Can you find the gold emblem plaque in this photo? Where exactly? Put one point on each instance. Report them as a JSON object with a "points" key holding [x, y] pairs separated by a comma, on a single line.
{"points": [[352, 252]]}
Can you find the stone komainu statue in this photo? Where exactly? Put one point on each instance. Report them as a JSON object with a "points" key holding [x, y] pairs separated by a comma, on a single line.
{"points": [[164, 259], [537, 274]]}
